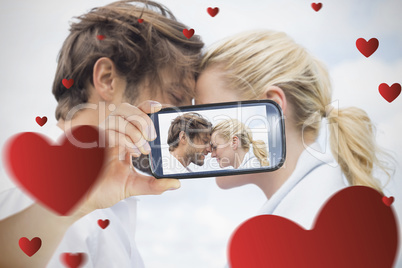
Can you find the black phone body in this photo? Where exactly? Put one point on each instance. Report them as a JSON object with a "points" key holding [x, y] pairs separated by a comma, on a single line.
{"points": [[265, 114]]}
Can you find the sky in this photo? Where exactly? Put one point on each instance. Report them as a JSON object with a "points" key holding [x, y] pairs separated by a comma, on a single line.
{"points": [[190, 227]]}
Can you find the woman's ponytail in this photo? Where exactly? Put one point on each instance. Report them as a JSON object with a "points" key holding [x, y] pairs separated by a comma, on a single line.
{"points": [[354, 147], [260, 151]]}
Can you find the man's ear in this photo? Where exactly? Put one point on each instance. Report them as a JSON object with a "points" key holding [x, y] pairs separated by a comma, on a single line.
{"points": [[104, 73], [276, 94], [182, 138]]}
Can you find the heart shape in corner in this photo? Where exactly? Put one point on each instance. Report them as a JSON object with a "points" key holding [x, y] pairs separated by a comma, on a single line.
{"points": [[353, 229]]}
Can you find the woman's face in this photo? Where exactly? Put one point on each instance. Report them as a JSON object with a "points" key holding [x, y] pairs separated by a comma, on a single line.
{"points": [[221, 149], [211, 88]]}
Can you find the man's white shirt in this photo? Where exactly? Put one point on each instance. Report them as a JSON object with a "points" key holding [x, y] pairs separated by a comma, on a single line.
{"points": [[111, 247], [173, 166]]}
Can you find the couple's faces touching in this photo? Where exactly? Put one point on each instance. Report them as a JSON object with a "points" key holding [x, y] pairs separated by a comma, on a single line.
{"points": [[198, 148], [110, 86], [210, 87]]}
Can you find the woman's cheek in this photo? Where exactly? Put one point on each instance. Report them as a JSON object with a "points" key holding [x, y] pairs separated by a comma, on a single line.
{"points": [[223, 182], [228, 182]]}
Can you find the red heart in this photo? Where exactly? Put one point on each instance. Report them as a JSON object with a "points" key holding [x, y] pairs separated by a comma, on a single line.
{"points": [[57, 176], [212, 11], [41, 120], [316, 6], [67, 83], [188, 33], [100, 37], [103, 223], [73, 260], [367, 48], [30, 247], [353, 229], [140, 20], [388, 200], [389, 93]]}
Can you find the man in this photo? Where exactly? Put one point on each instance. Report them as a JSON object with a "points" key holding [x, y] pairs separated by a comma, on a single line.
{"points": [[188, 138], [118, 56]]}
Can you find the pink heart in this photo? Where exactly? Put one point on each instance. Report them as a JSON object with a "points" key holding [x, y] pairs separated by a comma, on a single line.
{"points": [[103, 223], [316, 6], [73, 260], [188, 33], [212, 11], [353, 229], [56, 176], [389, 93], [68, 83], [388, 200], [30, 247], [367, 48], [41, 120]]}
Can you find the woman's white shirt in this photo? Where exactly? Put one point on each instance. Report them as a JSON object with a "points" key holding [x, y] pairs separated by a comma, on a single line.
{"points": [[315, 179], [250, 160], [111, 247]]}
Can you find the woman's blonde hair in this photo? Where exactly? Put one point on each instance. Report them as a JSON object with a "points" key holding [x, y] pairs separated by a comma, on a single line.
{"points": [[255, 60], [233, 127]]}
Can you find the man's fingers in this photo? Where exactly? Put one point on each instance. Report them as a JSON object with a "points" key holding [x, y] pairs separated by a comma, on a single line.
{"points": [[147, 185], [150, 106], [131, 135], [136, 117], [118, 139], [162, 185]]}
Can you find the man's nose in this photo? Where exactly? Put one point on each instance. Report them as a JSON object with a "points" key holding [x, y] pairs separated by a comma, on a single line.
{"points": [[208, 149]]}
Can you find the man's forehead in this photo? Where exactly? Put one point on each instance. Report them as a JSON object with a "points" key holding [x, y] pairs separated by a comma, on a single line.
{"points": [[205, 136]]}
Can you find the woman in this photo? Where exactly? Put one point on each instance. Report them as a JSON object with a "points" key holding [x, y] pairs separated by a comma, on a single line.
{"points": [[270, 65], [230, 145]]}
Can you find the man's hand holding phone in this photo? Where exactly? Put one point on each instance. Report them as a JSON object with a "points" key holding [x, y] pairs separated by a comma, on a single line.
{"points": [[128, 129]]}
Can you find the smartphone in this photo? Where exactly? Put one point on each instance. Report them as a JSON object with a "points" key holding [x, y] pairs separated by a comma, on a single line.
{"points": [[218, 139]]}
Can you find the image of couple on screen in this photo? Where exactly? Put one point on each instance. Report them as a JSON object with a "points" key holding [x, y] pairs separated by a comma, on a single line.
{"points": [[191, 138]]}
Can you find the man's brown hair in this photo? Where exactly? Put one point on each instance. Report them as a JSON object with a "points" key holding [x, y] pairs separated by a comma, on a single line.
{"points": [[193, 124], [139, 50]]}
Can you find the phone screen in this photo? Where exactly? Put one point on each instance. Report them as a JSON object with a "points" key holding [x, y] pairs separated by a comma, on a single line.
{"points": [[217, 139]]}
